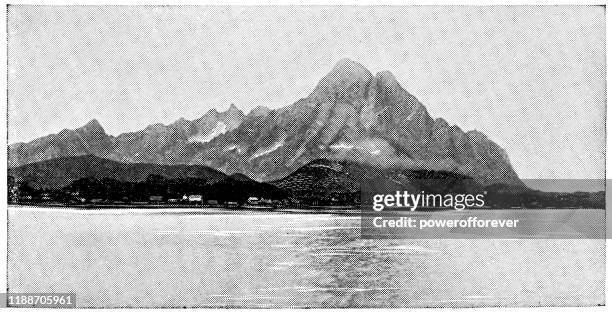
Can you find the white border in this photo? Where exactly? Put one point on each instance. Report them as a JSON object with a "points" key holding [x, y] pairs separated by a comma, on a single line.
{"points": [[3, 132], [307, 2]]}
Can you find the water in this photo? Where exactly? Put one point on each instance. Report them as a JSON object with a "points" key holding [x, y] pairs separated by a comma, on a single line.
{"points": [[212, 258]]}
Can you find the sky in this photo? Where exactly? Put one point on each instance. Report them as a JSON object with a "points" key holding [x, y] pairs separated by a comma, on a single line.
{"points": [[531, 78]]}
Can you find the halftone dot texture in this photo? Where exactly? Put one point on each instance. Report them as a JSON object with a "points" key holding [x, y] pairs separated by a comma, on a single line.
{"points": [[529, 77], [532, 78], [111, 259], [350, 115]]}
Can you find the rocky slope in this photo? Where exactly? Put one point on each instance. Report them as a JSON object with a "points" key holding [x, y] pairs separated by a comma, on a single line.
{"points": [[350, 115]]}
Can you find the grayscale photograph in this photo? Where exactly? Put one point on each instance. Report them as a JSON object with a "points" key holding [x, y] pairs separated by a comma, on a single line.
{"points": [[261, 157]]}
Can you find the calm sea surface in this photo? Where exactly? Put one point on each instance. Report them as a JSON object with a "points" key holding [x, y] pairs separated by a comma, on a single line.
{"points": [[213, 258]]}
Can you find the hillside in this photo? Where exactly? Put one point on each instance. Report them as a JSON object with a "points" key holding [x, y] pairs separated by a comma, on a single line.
{"points": [[324, 179], [60, 172]]}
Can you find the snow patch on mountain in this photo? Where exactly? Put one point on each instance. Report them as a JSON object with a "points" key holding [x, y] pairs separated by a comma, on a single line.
{"points": [[270, 149], [219, 129]]}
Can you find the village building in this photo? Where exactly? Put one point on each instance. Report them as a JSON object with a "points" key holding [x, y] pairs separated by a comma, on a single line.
{"points": [[195, 198]]}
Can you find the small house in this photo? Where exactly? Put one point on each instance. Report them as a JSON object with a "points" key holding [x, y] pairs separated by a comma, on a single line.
{"points": [[195, 198], [253, 200], [231, 204]]}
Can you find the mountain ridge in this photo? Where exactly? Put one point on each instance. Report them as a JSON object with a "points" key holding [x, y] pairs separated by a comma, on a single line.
{"points": [[351, 114]]}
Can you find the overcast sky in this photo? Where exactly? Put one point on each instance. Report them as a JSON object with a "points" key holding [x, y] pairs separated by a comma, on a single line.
{"points": [[531, 78]]}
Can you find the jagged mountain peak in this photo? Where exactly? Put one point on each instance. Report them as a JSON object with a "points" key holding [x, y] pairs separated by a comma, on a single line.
{"points": [[347, 65], [259, 111], [92, 125], [216, 114], [347, 80], [233, 111], [233, 107]]}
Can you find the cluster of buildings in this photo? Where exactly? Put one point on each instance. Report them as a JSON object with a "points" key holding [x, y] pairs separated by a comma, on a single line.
{"points": [[191, 199]]}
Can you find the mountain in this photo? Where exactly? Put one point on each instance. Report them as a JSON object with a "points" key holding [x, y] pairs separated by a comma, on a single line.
{"points": [[60, 172], [350, 115], [354, 115], [175, 143], [157, 143], [259, 111], [88, 139]]}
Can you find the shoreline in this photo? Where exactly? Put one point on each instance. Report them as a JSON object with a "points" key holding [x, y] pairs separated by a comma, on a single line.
{"points": [[309, 209], [177, 209], [153, 206]]}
